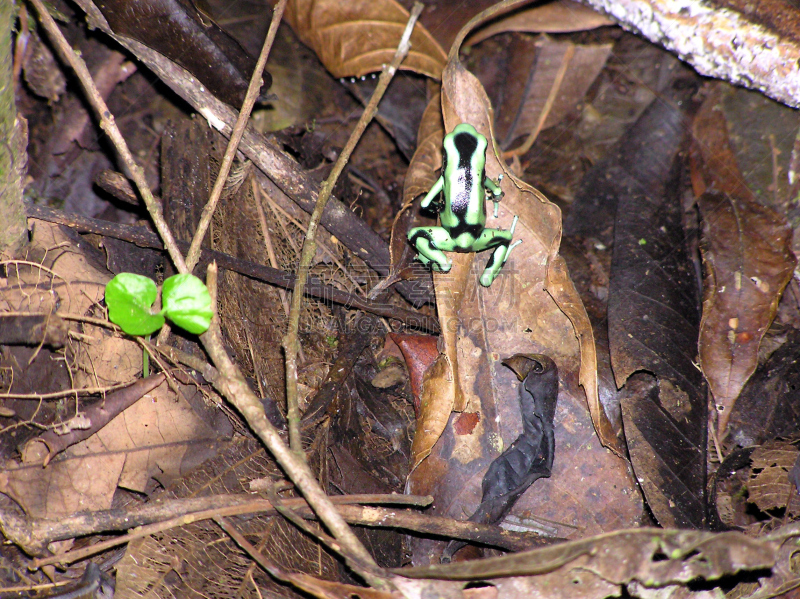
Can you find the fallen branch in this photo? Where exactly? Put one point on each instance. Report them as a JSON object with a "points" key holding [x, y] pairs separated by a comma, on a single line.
{"points": [[34, 534]]}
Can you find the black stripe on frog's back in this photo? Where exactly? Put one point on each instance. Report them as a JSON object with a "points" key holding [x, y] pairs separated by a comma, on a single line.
{"points": [[466, 145], [461, 189]]}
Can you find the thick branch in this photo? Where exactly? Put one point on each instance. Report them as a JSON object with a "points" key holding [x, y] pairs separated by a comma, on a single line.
{"points": [[752, 44]]}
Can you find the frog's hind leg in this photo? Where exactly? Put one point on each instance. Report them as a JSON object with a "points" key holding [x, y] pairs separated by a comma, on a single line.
{"points": [[427, 240], [500, 242]]}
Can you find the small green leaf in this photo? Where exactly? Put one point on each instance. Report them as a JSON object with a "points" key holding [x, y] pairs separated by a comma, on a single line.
{"points": [[187, 303], [129, 298]]}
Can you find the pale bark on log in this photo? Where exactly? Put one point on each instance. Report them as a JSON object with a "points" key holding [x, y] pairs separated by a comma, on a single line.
{"points": [[754, 43], [13, 144]]}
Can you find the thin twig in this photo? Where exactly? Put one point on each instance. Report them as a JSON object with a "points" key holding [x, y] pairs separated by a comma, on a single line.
{"points": [[262, 221], [67, 392], [253, 89], [290, 341], [233, 144], [108, 125]]}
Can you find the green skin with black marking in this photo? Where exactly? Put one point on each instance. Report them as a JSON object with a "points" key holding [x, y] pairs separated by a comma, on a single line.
{"points": [[463, 184]]}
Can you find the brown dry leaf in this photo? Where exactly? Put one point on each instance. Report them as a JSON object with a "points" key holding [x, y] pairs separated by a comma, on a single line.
{"points": [[748, 259], [526, 310], [82, 479], [595, 568], [561, 16], [427, 159], [769, 484], [435, 406], [562, 75], [149, 439], [156, 435], [358, 37]]}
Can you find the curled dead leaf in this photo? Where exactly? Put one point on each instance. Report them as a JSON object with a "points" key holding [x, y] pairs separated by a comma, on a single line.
{"points": [[358, 37], [562, 16]]}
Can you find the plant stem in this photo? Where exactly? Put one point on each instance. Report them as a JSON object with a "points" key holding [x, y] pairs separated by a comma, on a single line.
{"points": [[290, 341]]}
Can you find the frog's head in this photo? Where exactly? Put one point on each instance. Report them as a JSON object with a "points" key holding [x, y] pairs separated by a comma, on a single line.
{"points": [[465, 147]]}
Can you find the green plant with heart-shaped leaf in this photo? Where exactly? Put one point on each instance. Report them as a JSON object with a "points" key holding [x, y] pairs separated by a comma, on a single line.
{"points": [[184, 299]]}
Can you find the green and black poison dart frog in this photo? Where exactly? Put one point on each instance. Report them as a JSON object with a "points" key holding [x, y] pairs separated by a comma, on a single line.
{"points": [[463, 212]]}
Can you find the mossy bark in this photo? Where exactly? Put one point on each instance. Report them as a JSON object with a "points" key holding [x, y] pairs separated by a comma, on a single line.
{"points": [[13, 143]]}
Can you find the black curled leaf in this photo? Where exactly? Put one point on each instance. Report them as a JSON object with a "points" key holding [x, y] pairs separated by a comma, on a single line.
{"points": [[530, 457]]}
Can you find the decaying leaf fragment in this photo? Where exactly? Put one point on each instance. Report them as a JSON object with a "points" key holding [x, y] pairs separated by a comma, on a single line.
{"points": [[530, 457], [598, 566], [769, 485], [748, 262], [358, 37]]}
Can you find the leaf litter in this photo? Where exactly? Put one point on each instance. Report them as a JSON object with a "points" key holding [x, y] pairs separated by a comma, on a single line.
{"points": [[468, 413]]}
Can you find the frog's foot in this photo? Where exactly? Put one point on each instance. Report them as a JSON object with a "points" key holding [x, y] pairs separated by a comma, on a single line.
{"points": [[424, 240], [500, 242]]}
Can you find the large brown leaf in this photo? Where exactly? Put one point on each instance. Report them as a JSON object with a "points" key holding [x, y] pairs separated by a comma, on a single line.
{"points": [[358, 37], [747, 258], [562, 75], [654, 312], [532, 307], [179, 31]]}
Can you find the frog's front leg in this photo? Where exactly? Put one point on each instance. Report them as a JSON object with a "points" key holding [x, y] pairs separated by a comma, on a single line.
{"points": [[428, 242], [433, 196], [500, 240]]}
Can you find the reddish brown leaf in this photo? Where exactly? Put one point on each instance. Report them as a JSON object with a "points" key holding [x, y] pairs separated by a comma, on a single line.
{"points": [[419, 352], [466, 422], [360, 36], [748, 261]]}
